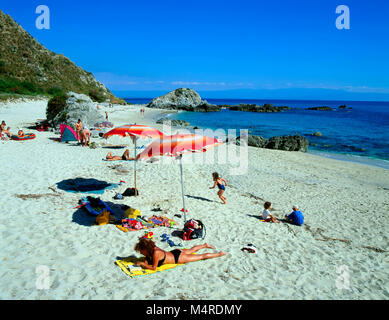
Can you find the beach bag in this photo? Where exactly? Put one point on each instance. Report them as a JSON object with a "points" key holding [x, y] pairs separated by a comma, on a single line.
{"points": [[193, 229], [130, 192], [132, 213], [103, 218]]}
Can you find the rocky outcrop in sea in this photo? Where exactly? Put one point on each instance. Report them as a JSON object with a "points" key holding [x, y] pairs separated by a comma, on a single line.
{"points": [[286, 143], [183, 99], [173, 122], [257, 108], [324, 108]]}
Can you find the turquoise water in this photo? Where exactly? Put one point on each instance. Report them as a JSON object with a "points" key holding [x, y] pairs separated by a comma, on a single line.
{"points": [[358, 133]]}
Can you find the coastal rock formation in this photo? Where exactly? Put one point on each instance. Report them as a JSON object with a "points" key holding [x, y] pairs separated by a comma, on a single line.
{"points": [[174, 123], [71, 107], [182, 99], [288, 143], [253, 141], [324, 108], [257, 108]]}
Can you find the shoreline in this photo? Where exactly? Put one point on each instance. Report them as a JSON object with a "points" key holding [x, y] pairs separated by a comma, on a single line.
{"points": [[347, 157], [344, 204]]}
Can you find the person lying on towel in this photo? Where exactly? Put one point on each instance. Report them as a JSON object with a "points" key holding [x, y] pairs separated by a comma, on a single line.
{"points": [[125, 156], [156, 257]]}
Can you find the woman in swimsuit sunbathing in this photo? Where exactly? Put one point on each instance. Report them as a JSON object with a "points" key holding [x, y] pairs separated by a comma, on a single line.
{"points": [[156, 257], [218, 181], [125, 156]]}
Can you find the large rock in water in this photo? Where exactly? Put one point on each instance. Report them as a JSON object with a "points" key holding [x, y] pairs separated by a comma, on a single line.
{"points": [[183, 99], [78, 106], [288, 143], [253, 141]]}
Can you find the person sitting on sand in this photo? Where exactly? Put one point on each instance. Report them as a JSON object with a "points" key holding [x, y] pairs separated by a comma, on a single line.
{"points": [[21, 133], [156, 257], [78, 130], [3, 135], [4, 130], [218, 181], [296, 217], [125, 156], [266, 215]]}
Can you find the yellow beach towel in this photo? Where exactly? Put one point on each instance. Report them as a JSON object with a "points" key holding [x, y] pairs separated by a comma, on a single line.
{"points": [[128, 266]]}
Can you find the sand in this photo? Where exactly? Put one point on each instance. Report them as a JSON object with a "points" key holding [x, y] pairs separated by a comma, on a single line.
{"points": [[52, 251]]}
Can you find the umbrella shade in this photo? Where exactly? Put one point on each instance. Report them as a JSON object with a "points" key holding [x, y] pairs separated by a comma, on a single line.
{"points": [[135, 131], [176, 146]]}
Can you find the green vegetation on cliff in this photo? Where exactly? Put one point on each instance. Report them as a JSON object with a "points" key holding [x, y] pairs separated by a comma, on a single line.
{"points": [[28, 68]]}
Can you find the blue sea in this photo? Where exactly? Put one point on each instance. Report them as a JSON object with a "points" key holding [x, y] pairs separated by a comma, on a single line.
{"points": [[358, 133]]}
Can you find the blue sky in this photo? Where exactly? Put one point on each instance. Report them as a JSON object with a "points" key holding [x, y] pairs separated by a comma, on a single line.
{"points": [[278, 48]]}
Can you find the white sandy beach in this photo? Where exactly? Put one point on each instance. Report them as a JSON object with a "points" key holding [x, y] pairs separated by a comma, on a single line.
{"points": [[345, 205]]}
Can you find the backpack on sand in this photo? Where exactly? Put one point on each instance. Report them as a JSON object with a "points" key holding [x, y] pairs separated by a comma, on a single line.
{"points": [[193, 229]]}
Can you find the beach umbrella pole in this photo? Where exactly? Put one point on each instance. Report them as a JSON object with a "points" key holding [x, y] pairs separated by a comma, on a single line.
{"points": [[136, 191], [182, 188]]}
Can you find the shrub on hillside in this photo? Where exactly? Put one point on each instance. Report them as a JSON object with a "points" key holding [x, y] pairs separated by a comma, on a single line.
{"points": [[12, 85], [97, 95], [55, 91], [55, 105], [2, 67]]}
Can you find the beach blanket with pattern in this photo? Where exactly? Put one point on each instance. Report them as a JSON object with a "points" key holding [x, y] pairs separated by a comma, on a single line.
{"points": [[131, 224], [161, 221]]}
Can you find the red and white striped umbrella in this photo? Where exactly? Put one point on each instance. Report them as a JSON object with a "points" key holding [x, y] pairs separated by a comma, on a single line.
{"points": [[175, 146], [135, 131], [178, 144]]}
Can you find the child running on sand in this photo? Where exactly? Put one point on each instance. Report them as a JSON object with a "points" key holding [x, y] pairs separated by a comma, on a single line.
{"points": [[266, 215], [218, 181], [156, 257]]}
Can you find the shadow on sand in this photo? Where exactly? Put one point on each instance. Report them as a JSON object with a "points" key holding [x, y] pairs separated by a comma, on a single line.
{"points": [[84, 218], [83, 185]]}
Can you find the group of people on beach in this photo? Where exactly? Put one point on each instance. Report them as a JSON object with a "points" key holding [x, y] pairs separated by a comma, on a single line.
{"points": [[156, 257], [5, 132], [83, 133], [296, 217]]}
